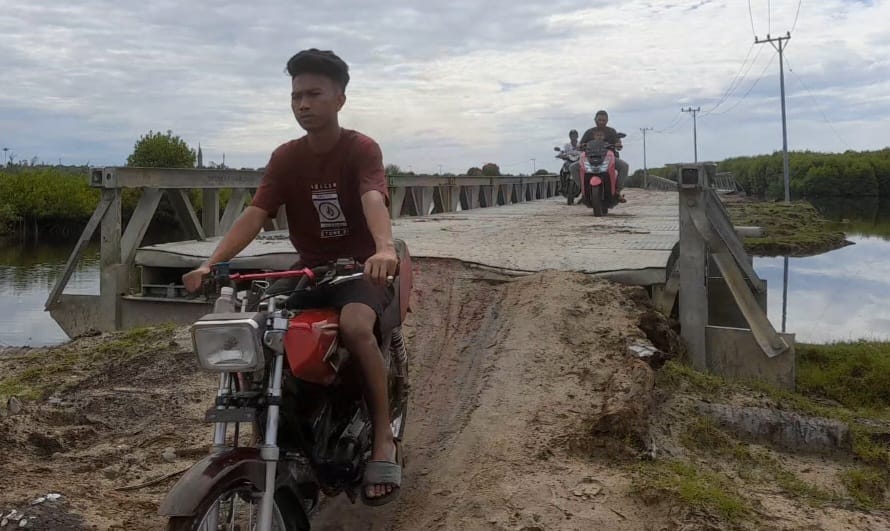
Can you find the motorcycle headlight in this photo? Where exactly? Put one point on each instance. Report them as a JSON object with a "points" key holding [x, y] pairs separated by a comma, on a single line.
{"points": [[229, 342]]}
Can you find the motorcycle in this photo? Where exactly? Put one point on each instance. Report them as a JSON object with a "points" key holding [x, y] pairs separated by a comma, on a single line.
{"points": [[567, 186], [600, 178], [285, 373]]}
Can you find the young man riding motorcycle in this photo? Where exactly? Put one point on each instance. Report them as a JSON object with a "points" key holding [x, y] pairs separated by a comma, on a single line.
{"points": [[611, 136], [332, 184]]}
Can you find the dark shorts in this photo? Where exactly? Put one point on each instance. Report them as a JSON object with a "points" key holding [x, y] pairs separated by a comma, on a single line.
{"points": [[358, 291]]}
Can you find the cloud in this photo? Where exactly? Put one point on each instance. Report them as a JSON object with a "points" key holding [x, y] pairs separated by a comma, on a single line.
{"points": [[454, 83]]}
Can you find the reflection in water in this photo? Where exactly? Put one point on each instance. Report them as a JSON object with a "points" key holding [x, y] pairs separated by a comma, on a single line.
{"points": [[866, 216], [28, 272], [785, 295], [836, 296]]}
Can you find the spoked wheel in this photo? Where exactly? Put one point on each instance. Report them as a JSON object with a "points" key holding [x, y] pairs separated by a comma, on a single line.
{"points": [[237, 508], [399, 387], [596, 200]]}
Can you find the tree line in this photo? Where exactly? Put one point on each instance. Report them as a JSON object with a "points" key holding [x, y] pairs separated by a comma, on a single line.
{"points": [[812, 174]]}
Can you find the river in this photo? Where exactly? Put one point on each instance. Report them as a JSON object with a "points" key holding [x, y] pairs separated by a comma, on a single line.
{"points": [[837, 296]]}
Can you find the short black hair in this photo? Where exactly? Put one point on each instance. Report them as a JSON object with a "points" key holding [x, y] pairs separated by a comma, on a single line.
{"points": [[601, 112], [573, 132], [322, 62]]}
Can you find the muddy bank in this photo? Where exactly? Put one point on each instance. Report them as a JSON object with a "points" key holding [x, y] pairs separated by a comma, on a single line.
{"points": [[527, 412], [788, 230]]}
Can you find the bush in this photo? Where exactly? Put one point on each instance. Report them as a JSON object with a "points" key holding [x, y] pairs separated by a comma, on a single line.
{"points": [[490, 169], [156, 150]]}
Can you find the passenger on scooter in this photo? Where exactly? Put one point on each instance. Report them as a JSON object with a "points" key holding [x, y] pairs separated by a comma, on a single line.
{"points": [[332, 183], [611, 136], [572, 146]]}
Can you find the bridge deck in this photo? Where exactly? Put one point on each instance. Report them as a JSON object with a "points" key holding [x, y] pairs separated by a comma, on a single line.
{"points": [[632, 243]]}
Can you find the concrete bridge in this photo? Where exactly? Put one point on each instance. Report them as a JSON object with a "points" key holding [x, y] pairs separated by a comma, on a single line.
{"points": [[677, 241]]}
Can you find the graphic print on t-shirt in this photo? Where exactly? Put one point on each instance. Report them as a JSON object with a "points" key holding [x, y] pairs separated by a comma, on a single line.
{"points": [[331, 219]]}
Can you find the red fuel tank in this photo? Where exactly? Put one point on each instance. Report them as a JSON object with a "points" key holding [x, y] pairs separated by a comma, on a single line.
{"points": [[311, 337]]}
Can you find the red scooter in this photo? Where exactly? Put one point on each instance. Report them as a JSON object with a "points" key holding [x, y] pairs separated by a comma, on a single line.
{"points": [[600, 182]]}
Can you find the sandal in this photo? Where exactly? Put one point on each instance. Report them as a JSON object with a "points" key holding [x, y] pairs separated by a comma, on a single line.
{"points": [[384, 473]]}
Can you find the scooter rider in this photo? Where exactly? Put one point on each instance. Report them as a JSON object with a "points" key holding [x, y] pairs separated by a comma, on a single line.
{"points": [[572, 146], [611, 137]]}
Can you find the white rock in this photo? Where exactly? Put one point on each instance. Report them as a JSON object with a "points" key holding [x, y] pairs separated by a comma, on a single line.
{"points": [[169, 455], [38, 501], [23, 523], [53, 496], [4, 522]]}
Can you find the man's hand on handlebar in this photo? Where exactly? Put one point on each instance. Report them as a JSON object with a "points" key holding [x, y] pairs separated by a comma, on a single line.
{"points": [[194, 279], [381, 267]]}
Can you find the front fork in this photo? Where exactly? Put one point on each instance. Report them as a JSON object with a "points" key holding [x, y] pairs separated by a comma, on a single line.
{"points": [[269, 450]]}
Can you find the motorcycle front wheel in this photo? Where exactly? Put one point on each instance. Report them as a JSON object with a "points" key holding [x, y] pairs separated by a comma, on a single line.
{"points": [[596, 200], [236, 508]]}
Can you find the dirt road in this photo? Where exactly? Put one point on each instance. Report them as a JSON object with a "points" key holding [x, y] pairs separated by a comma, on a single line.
{"points": [[504, 376], [512, 379]]}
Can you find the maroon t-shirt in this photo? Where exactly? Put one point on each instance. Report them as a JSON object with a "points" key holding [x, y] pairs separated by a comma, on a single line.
{"points": [[322, 194]]}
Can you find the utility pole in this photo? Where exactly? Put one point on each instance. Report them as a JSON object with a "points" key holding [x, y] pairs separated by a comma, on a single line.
{"points": [[645, 168], [534, 168], [694, 128], [440, 169], [779, 48]]}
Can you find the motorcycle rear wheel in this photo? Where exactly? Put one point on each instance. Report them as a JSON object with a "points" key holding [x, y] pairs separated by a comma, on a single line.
{"points": [[236, 508]]}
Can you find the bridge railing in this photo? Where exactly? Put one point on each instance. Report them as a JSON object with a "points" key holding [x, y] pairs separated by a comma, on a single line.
{"points": [[654, 182], [722, 300], [419, 195]]}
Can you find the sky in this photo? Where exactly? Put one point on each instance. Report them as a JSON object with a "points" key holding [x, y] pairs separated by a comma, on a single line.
{"points": [[450, 85]]}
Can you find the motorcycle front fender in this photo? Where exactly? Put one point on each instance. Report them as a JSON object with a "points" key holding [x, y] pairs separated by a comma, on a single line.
{"points": [[204, 476], [216, 472]]}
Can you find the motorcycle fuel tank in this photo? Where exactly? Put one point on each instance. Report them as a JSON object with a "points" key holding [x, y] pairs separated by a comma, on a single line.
{"points": [[310, 341]]}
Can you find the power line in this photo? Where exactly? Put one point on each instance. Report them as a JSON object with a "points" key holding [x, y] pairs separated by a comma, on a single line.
{"points": [[671, 126], [745, 95], [816, 104], [737, 80], [794, 25], [751, 17]]}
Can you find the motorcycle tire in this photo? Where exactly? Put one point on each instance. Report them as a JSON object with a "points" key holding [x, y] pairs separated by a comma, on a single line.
{"points": [[399, 411], [285, 514], [596, 201]]}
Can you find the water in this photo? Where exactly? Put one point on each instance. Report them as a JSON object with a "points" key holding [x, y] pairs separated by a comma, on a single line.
{"points": [[837, 296], [28, 272]]}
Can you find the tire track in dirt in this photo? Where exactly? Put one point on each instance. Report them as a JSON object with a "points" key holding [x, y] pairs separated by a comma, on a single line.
{"points": [[503, 374]]}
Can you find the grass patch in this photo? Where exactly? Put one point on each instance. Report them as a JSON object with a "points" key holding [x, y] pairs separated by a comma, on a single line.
{"points": [[796, 229], [45, 371], [869, 439], [750, 464], [866, 485], [855, 374], [699, 489]]}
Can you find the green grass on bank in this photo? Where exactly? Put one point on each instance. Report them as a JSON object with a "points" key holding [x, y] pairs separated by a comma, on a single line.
{"points": [[788, 230]]}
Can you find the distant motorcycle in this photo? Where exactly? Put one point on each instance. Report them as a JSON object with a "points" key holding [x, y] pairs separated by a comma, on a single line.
{"points": [[600, 177], [567, 186]]}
